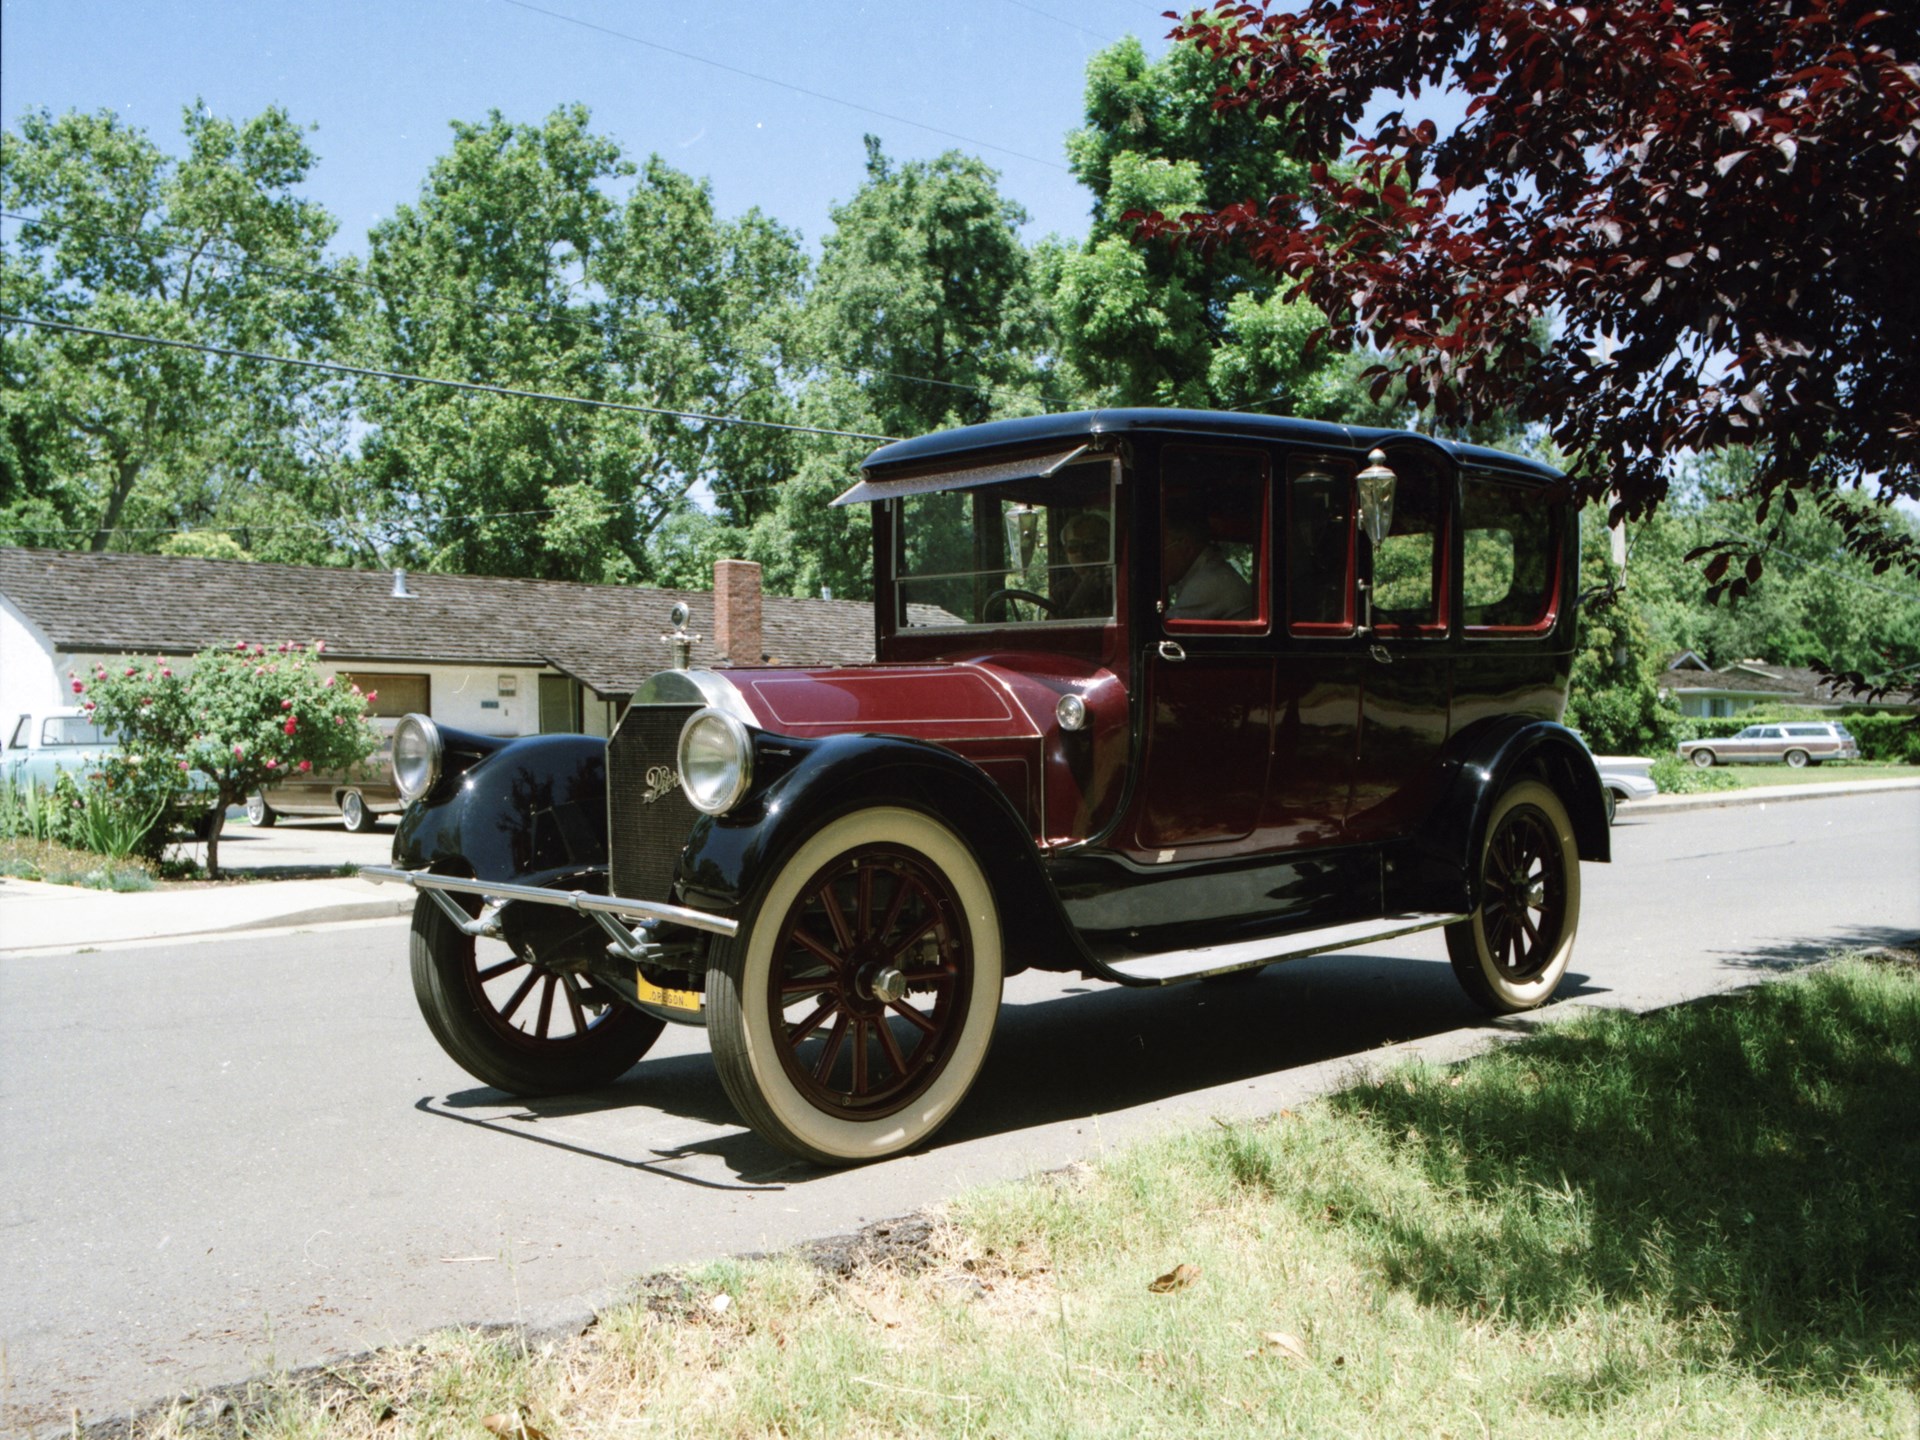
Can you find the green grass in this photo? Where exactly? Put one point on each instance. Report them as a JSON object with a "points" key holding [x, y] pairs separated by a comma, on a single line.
{"points": [[1700, 1222], [1826, 773]]}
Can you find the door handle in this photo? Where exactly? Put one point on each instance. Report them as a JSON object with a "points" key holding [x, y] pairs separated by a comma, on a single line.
{"points": [[1172, 650]]}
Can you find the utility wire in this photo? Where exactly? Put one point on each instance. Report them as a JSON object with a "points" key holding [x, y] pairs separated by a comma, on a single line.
{"points": [[603, 326], [473, 386], [1062, 20], [782, 84]]}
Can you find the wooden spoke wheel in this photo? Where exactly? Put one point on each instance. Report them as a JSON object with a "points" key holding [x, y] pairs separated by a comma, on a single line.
{"points": [[1510, 954], [516, 1025], [853, 1011]]}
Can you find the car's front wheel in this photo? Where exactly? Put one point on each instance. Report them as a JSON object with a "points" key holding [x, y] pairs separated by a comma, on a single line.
{"points": [[1703, 759], [1510, 953], [259, 812], [515, 1025], [852, 1012]]}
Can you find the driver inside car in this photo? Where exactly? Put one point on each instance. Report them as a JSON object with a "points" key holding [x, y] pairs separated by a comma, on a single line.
{"points": [[1207, 587], [1084, 539]]}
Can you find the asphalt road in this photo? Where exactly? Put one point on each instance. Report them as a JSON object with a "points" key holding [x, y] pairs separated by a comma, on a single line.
{"points": [[249, 1152]]}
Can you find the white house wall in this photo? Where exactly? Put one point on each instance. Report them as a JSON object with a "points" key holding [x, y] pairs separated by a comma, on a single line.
{"points": [[30, 681], [466, 697]]}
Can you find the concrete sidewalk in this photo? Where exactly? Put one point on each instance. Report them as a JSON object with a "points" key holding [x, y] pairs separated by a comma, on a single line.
{"points": [[63, 918], [37, 917]]}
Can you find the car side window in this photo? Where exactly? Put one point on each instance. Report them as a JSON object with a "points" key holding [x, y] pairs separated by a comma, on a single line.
{"points": [[1510, 558], [1321, 548], [1409, 565], [1213, 539]]}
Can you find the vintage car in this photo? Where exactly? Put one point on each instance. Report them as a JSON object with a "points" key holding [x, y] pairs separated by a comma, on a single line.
{"points": [[1797, 743], [1160, 696], [42, 746]]}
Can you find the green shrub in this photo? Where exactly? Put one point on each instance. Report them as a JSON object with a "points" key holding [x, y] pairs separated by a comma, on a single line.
{"points": [[27, 814], [1675, 776], [1890, 738]]}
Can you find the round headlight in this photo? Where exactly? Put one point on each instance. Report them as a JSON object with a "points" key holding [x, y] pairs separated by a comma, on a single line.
{"points": [[715, 761], [416, 756], [1071, 712]]}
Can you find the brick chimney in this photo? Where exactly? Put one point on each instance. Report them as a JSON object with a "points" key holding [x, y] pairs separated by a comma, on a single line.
{"points": [[736, 612]]}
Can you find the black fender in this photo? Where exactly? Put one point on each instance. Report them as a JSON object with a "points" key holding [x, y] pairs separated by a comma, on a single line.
{"points": [[1435, 869], [728, 856], [532, 810]]}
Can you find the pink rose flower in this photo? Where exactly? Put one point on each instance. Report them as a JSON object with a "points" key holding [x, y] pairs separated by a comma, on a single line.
{"points": [[185, 766], [166, 674], [238, 753], [129, 672], [305, 765], [286, 704], [291, 725], [319, 647], [372, 695], [78, 688], [329, 684], [273, 764]]}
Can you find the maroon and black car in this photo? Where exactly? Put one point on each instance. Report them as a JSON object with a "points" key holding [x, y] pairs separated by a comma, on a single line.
{"points": [[1160, 695]]}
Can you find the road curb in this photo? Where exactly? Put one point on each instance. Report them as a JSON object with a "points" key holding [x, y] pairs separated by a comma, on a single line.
{"points": [[1760, 795]]}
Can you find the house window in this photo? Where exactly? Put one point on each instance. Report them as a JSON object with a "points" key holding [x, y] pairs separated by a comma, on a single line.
{"points": [[394, 695]]}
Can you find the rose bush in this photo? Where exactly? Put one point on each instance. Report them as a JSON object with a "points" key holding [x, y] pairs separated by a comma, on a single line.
{"points": [[244, 717]]}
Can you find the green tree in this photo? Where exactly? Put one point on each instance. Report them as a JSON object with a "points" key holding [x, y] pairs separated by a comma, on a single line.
{"points": [[245, 718], [924, 314], [114, 443], [1166, 326], [520, 266]]}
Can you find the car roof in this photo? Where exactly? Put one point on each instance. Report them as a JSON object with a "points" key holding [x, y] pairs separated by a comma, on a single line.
{"points": [[1079, 426]]}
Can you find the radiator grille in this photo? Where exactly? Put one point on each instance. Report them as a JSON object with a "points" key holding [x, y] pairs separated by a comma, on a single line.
{"points": [[646, 836]]}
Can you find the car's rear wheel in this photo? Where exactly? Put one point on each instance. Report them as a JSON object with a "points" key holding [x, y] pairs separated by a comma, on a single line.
{"points": [[1797, 759], [1703, 759], [852, 1012], [1510, 954], [354, 813], [1613, 803], [515, 1025], [259, 812]]}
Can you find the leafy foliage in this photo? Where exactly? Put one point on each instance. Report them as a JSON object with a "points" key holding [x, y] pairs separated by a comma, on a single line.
{"points": [[244, 718], [519, 267], [1713, 199], [104, 441], [1178, 327]]}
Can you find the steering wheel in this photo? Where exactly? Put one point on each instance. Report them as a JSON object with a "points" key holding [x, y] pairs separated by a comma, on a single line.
{"points": [[1001, 597]]}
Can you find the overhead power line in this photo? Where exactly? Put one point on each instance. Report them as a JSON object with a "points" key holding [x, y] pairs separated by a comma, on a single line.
{"points": [[401, 377], [781, 84]]}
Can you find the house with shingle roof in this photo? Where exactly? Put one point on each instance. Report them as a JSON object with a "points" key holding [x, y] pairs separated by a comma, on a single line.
{"points": [[498, 656], [1699, 689]]}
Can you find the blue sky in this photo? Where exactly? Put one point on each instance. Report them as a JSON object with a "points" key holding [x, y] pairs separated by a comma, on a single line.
{"points": [[382, 80]]}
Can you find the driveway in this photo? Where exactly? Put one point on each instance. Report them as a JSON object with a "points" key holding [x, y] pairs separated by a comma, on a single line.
{"points": [[294, 848]]}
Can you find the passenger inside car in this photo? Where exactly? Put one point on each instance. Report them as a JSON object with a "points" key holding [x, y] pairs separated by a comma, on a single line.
{"points": [[1206, 586]]}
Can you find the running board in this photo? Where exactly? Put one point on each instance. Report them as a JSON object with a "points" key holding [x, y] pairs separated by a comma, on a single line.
{"points": [[1173, 966]]}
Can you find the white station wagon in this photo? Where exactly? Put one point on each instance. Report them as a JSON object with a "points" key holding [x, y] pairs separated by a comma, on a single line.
{"points": [[1797, 743]]}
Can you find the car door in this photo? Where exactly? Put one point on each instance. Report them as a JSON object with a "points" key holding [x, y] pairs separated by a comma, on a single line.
{"points": [[1407, 678], [1209, 659]]}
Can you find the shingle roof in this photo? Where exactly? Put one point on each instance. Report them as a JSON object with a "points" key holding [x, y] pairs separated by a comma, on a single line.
{"points": [[608, 636], [1752, 677]]}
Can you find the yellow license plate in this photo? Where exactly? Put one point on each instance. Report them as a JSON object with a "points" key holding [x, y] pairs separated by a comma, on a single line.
{"points": [[667, 999]]}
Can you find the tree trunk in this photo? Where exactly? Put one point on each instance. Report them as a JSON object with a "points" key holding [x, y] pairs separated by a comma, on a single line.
{"points": [[213, 834]]}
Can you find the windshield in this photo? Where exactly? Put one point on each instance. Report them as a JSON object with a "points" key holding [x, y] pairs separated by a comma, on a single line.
{"points": [[1028, 552]]}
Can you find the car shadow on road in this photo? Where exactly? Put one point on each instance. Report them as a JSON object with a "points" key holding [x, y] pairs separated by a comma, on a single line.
{"points": [[1062, 1058]]}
